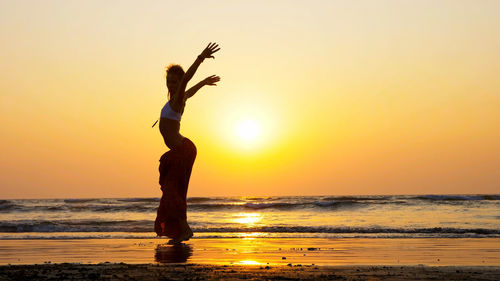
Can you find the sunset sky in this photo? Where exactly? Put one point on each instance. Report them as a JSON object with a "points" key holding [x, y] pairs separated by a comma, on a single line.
{"points": [[315, 97]]}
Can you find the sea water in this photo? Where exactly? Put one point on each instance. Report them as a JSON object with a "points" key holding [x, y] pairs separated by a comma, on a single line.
{"points": [[397, 216]]}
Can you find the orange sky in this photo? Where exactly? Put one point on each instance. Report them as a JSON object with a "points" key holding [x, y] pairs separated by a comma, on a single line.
{"points": [[346, 97]]}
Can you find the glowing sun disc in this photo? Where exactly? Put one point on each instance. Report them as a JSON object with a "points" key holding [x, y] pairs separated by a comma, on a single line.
{"points": [[248, 130]]}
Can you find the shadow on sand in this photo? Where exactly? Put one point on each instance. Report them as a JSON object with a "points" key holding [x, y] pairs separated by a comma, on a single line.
{"points": [[173, 253]]}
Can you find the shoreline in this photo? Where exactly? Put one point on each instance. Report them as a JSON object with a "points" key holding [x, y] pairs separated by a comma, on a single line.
{"points": [[258, 251], [252, 259], [123, 271]]}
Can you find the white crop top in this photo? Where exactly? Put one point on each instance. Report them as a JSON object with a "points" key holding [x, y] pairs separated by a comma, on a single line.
{"points": [[168, 112]]}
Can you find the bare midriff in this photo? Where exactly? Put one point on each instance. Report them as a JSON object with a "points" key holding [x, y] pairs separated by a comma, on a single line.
{"points": [[169, 129]]}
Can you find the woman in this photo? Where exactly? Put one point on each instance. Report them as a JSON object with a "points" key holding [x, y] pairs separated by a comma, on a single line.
{"points": [[176, 164]]}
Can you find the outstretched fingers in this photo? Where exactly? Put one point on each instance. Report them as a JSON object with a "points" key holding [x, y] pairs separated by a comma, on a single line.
{"points": [[211, 80], [212, 46], [210, 50], [215, 48]]}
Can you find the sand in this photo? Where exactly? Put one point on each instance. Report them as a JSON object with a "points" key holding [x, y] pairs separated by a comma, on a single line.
{"points": [[251, 259], [108, 271], [258, 251]]}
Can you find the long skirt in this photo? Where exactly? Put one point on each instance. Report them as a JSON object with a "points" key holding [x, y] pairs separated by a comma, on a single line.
{"points": [[175, 171]]}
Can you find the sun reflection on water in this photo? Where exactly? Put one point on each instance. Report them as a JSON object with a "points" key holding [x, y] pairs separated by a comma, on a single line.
{"points": [[251, 235], [249, 262], [247, 218]]}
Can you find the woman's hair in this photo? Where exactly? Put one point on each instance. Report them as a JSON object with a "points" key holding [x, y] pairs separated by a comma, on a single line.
{"points": [[173, 69]]}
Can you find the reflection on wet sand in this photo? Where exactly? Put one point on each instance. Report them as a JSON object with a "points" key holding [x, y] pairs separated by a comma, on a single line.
{"points": [[173, 253], [259, 251]]}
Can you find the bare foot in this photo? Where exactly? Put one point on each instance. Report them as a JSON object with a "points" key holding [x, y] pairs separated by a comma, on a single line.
{"points": [[186, 236], [188, 233], [176, 241]]}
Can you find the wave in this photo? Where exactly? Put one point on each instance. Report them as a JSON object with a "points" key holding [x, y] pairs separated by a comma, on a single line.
{"points": [[151, 206], [360, 198], [211, 199], [132, 226], [213, 204], [279, 206], [81, 208], [142, 200], [139, 208], [283, 206], [6, 205], [326, 229], [238, 235], [72, 201], [457, 197], [76, 226]]}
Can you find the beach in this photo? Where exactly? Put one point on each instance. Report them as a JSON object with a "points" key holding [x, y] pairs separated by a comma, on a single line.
{"points": [[278, 238], [258, 251], [238, 272], [252, 258], [372, 237]]}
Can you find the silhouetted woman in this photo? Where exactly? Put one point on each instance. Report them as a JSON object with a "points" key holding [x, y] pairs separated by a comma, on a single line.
{"points": [[176, 164]]}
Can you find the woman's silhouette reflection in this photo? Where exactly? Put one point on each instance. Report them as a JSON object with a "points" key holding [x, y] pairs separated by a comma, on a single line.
{"points": [[177, 253]]}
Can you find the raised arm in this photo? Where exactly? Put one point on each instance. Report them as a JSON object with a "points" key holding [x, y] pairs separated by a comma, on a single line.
{"points": [[207, 53], [209, 81]]}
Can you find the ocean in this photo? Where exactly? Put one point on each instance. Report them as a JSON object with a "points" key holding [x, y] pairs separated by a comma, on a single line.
{"points": [[396, 216]]}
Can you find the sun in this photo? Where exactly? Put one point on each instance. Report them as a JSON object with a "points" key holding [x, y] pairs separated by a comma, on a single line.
{"points": [[245, 132], [248, 131]]}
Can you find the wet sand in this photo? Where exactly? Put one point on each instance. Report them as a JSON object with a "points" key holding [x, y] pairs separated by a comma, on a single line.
{"points": [[258, 251], [252, 259], [240, 272]]}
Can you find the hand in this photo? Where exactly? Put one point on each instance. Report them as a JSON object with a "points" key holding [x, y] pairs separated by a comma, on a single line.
{"points": [[209, 51], [211, 80]]}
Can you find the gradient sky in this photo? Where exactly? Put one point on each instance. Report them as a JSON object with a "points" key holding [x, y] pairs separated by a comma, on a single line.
{"points": [[349, 97]]}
